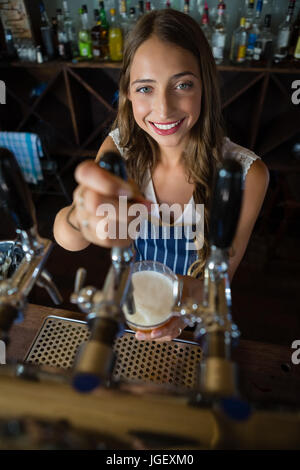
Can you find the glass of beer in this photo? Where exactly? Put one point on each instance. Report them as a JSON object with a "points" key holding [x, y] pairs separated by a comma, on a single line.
{"points": [[156, 290]]}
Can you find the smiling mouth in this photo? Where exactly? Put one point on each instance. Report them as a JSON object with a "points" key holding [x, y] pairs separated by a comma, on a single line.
{"points": [[165, 129], [166, 126]]}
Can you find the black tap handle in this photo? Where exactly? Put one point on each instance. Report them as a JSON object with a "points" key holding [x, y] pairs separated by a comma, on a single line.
{"points": [[14, 192], [226, 204], [114, 163], [8, 315]]}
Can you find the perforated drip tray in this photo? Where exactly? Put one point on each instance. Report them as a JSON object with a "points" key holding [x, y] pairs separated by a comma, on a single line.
{"points": [[172, 362]]}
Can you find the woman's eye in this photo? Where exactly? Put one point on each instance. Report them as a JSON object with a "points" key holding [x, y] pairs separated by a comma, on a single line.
{"points": [[185, 85], [143, 89]]}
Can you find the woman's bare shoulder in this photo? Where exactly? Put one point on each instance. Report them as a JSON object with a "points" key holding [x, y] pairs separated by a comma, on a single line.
{"points": [[107, 145], [258, 174]]}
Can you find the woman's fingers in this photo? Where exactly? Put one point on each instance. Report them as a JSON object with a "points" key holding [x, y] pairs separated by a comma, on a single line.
{"points": [[103, 203], [99, 205], [90, 175], [172, 330], [108, 227]]}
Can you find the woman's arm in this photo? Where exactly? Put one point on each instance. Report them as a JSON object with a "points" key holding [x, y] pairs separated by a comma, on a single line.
{"points": [[256, 186], [65, 235]]}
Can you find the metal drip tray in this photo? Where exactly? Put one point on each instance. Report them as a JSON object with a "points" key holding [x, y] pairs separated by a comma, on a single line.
{"points": [[175, 362]]}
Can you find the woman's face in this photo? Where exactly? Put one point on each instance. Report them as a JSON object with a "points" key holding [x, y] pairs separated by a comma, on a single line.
{"points": [[165, 91]]}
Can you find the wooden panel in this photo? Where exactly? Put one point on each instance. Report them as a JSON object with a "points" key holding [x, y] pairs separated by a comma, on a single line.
{"points": [[86, 90]]}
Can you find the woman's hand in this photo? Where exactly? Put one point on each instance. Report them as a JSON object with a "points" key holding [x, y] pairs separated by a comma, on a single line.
{"points": [[192, 289], [173, 329], [101, 224]]}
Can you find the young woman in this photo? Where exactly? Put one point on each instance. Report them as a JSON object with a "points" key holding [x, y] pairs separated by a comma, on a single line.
{"points": [[168, 129]]}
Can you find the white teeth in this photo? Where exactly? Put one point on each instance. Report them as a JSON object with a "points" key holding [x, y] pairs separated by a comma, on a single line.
{"points": [[167, 126]]}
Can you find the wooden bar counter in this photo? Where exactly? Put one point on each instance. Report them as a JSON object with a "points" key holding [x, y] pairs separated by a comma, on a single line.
{"points": [[266, 371], [266, 374]]}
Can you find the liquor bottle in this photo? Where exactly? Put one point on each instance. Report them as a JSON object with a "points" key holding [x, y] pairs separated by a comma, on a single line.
{"points": [[141, 8], [186, 7], [47, 34], [239, 43], [249, 15], [219, 35], [64, 43], [10, 46], [148, 7], [104, 32], [294, 36], [70, 29], [263, 49], [115, 38], [297, 50], [96, 36], [254, 31], [39, 55], [124, 18], [214, 12], [54, 33], [205, 26], [132, 18], [84, 35], [284, 34]]}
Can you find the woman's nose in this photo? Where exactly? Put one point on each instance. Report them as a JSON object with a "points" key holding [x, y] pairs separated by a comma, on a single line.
{"points": [[164, 105]]}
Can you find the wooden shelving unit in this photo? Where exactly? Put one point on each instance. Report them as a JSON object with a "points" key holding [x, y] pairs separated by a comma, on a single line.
{"points": [[78, 105]]}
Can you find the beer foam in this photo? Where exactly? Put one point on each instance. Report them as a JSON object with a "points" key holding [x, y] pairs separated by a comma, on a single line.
{"points": [[153, 297]]}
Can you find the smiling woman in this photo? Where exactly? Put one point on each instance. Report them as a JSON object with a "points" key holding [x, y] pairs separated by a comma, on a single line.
{"points": [[169, 131]]}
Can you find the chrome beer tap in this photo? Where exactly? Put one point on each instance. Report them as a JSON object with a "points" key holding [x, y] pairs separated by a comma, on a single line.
{"points": [[15, 197], [212, 318], [105, 317]]}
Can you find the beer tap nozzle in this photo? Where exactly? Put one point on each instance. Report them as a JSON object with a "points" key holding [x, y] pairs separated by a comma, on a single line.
{"points": [[16, 199], [94, 363], [218, 373]]}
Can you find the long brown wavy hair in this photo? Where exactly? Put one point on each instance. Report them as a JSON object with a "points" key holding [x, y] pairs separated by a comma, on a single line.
{"points": [[204, 150]]}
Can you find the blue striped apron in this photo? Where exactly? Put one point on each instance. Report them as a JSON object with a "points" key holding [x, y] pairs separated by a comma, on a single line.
{"points": [[166, 245]]}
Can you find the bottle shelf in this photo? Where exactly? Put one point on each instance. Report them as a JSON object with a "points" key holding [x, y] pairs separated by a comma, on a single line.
{"points": [[78, 104], [287, 67]]}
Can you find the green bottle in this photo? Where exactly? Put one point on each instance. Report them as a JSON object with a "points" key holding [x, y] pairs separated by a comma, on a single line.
{"points": [[104, 33], [84, 35]]}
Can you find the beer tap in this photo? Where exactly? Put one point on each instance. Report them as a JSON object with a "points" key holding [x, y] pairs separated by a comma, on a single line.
{"points": [[105, 317], [213, 317], [16, 198]]}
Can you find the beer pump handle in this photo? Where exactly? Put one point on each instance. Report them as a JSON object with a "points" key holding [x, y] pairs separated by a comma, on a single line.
{"points": [[114, 163], [96, 359], [226, 204], [8, 314], [14, 192]]}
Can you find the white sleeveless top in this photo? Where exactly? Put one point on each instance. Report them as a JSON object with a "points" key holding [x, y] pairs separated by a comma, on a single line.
{"points": [[152, 243], [231, 150]]}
